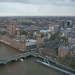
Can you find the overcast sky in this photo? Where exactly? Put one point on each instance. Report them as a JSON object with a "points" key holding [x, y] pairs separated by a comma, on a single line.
{"points": [[37, 7]]}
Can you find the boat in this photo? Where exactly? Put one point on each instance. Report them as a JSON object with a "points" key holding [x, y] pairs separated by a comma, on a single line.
{"points": [[44, 60], [21, 59], [54, 68]]}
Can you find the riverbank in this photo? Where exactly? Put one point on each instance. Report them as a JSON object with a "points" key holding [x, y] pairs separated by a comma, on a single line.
{"points": [[59, 66]]}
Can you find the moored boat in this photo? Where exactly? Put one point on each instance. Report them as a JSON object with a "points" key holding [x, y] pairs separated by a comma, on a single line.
{"points": [[21, 59]]}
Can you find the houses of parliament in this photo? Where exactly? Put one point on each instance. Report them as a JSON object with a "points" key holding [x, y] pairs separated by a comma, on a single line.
{"points": [[11, 37]]}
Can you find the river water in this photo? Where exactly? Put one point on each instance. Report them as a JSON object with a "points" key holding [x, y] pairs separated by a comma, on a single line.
{"points": [[26, 67]]}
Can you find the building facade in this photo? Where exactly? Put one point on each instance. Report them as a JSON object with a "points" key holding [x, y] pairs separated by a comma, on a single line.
{"points": [[38, 40], [64, 50], [51, 27]]}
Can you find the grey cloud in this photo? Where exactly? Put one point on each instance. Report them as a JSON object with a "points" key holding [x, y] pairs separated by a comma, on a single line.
{"points": [[53, 2], [13, 1], [29, 1], [72, 0]]}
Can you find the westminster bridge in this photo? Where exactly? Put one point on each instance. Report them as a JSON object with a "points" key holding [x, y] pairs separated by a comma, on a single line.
{"points": [[6, 60]]}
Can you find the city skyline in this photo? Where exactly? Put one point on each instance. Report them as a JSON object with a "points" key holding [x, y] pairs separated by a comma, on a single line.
{"points": [[37, 8]]}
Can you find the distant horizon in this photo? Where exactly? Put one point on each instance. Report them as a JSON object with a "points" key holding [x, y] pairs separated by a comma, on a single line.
{"points": [[38, 16]]}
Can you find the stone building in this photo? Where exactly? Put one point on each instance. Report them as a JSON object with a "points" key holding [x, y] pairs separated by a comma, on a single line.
{"points": [[38, 39], [11, 37], [18, 33], [12, 28], [20, 42]]}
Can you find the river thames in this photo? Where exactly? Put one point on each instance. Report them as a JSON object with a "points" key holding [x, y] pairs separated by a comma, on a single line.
{"points": [[26, 67]]}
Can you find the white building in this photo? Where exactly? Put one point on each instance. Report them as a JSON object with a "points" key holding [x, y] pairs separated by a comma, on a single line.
{"points": [[46, 33], [51, 27], [31, 42]]}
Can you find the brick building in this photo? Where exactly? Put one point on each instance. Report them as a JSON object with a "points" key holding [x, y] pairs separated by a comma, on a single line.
{"points": [[64, 50]]}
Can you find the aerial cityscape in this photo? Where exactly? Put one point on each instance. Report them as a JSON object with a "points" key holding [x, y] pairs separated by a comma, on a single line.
{"points": [[37, 37]]}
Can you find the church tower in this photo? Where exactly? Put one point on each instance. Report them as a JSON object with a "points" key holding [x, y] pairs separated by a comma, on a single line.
{"points": [[12, 28], [38, 40]]}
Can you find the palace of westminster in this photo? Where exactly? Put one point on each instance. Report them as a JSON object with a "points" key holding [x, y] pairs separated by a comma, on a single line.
{"points": [[21, 45]]}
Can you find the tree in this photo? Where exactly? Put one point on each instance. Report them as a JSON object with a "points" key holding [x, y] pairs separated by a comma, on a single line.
{"points": [[54, 36], [31, 34], [68, 57], [54, 55], [59, 37], [42, 35], [23, 33], [59, 57], [72, 64], [42, 45], [64, 38], [44, 52], [3, 32], [62, 59]]}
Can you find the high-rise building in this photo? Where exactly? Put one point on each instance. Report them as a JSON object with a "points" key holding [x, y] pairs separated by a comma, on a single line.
{"points": [[63, 24], [69, 23]]}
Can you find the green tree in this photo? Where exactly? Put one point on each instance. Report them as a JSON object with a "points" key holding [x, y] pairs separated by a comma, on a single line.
{"points": [[68, 57], [24, 32], [62, 59], [59, 37], [54, 36], [42, 45], [72, 64], [44, 52], [3, 32], [31, 34], [54, 55], [64, 38], [42, 35]]}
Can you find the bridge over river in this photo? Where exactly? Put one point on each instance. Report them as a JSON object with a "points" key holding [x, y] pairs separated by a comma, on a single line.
{"points": [[4, 61]]}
